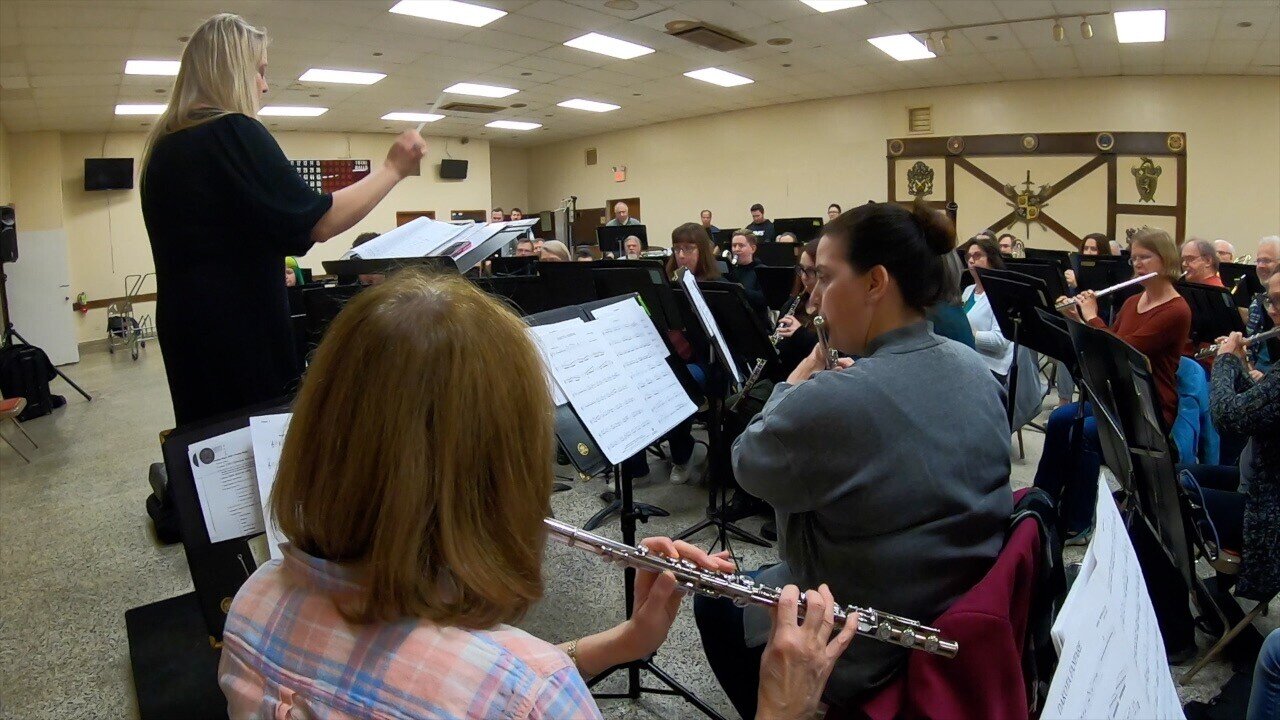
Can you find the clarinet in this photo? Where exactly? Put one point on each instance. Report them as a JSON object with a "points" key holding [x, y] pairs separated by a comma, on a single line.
{"points": [[788, 310], [1256, 337], [744, 591]]}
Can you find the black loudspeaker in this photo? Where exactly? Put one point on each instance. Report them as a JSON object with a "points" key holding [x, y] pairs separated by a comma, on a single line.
{"points": [[8, 234]]}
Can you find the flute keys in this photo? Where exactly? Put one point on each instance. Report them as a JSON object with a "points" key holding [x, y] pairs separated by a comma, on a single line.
{"points": [[931, 643]]}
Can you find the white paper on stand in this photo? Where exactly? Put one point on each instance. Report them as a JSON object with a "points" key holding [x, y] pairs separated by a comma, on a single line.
{"points": [[629, 313], [268, 433], [223, 470], [635, 342], [708, 322], [419, 237], [1112, 662]]}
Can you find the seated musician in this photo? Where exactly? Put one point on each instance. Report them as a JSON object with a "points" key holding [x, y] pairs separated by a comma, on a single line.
{"points": [[796, 336], [890, 476], [787, 237], [1156, 323], [691, 249], [415, 535], [524, 248], [1225, 251], [1200, 262], [1262, 356], [947, 315], [1093, 244], [1244, 504], [632, 247], [996, 350], [743, 270], [553, 251]]}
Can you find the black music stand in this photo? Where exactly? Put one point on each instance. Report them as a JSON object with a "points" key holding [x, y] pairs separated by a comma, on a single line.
{"points": [[512, 266], [1061, 258], [778, 254], [1047, 271], [645, 277], [589, 460], [1242, 280], [355, 266], [804, 228], [746, 336], [1213, 311], [610, 238], [524, 293], [776, 283], [1097, 272], [723, 239]]}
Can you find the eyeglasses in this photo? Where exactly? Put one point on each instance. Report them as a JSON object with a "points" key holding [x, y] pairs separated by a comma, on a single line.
{"points": [[806, 273], [1136, 259], [684, 250]]}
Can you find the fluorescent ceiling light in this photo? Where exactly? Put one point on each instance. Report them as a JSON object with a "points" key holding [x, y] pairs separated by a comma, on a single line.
{"points": [[833, 5], [902, 47], [151, 67], [449, 11], [588, 105], [605, 45], [140, 109], [348, 77], [412, 116], [292, 111], [513, 125], [490, 91], [716, 76], [1139, 26]]}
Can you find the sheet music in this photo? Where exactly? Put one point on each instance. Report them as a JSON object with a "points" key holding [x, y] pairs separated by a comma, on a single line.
{"points": [[602, 392], [223, 470], [1112, 660], [419, 237], [708, 322], [267, 433], [639, 349]]}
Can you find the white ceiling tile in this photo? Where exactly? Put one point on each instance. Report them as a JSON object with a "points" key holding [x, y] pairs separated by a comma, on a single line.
{"points": [[1233, 53], [732, 16], [505, 41]]}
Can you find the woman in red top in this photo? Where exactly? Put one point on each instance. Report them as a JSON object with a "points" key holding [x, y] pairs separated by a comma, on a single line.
{"points": [[1156, 323]]}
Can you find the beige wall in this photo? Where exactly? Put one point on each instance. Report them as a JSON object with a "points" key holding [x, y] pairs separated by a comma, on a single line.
{"points": [[108, 239], [509, 171], [5, 187], [795, 159]]}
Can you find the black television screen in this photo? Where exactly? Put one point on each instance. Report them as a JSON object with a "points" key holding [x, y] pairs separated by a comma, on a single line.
{"points": [[453, 169], [108, 173]]}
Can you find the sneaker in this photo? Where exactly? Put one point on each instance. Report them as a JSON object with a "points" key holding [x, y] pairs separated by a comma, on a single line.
{"points": [[1081, 538], [682, 473]]}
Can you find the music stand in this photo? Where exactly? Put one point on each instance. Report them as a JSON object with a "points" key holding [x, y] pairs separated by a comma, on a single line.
{"points": [[1213, 311], [776, 283], [1242, 280], [1061, 258], [386, 266], [573, 438], [723, 239], [525, 294], [1046, 270], [513, 266], [1097, 272], [648, 279], [778, 254], [610, 238], [566, 283], [804, 228]]}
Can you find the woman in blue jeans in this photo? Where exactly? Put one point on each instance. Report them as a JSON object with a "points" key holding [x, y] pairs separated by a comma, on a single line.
{"points": [[1264, 698]]}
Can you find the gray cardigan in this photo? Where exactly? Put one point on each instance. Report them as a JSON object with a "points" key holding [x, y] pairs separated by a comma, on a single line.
{"points": [[891, 484]]}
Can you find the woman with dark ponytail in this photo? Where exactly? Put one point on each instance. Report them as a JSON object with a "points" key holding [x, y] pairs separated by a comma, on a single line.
{"points": [[889, 475]]}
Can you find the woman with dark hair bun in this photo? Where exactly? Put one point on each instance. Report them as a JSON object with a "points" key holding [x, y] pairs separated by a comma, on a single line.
{"points": [[906, 448]]}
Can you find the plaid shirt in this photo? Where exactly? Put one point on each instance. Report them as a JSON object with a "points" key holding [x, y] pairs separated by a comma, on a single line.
{"points": [[289, 655]]}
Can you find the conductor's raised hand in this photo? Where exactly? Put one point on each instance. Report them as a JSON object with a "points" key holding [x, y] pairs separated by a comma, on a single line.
{"points": [[800, 655], [406, 154], [657, 596]]}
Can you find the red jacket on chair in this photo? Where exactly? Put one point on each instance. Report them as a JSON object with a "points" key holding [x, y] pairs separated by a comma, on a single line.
{"points": [[984, 681]]}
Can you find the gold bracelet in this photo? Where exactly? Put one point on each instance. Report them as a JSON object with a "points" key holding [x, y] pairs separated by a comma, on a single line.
{"points": [[572, 652]]}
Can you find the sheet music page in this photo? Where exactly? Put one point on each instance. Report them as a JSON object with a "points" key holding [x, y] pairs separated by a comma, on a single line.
{"points": [[708, 322], [226, 485], [419, 237], [1112, 660], [267, 433], [600, 388], [635, 342]]}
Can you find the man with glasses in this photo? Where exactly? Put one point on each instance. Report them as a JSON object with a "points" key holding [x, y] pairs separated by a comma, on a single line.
{"points": [[1200, 262], [1262, 355]]}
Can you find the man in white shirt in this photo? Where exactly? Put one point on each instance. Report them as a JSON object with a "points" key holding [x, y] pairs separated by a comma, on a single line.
{"points": [[622, 216]]}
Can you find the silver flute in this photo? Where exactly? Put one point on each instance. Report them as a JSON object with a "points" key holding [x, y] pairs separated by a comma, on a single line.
{"points": [[832, 355], [1212, 350], [1107, 291], [744, 591]]}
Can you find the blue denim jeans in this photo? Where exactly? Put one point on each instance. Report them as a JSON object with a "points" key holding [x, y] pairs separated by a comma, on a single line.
{"points": [[1069, 465], [1264, 698]]}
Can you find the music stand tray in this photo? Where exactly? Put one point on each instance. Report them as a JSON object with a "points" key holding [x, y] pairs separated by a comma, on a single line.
{"points": [[610, 239], [778, 254], [1213, 311], [804, 228], [1244, 279]]}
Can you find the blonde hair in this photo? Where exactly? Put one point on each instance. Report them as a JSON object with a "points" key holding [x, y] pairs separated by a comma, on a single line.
{"points": [[1159, 242], [400, 457], [217, 76], [557, 248]]}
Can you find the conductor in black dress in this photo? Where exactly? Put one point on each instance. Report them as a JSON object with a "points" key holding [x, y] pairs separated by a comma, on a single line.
{"points": [[223, 207]]}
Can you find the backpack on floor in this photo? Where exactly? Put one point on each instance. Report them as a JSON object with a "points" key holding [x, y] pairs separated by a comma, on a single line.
{"points": [[25, 372]]}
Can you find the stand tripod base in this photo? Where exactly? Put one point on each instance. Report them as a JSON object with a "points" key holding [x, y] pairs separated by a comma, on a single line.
{"points": [[642, 512], [673, 686], [723, 528]]}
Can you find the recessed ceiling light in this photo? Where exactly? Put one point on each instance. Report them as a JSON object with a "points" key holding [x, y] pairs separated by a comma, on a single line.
{"points": [[513, 125], [827, 6], [588, 105], [1139, 26], [292, 111], [151, 67], [449, 11], [492, 91], [412, 116], [605, 45], [902, 47], [347, 77], [140, 109], [716, 76]]}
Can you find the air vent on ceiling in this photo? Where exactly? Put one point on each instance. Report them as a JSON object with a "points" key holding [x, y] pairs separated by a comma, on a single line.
{"points": [[708, 36], [920, 119], [471, 107], [591, 156]]}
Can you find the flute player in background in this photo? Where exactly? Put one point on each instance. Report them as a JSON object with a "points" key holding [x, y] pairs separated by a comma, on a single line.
{"points": [[399, 561]]}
